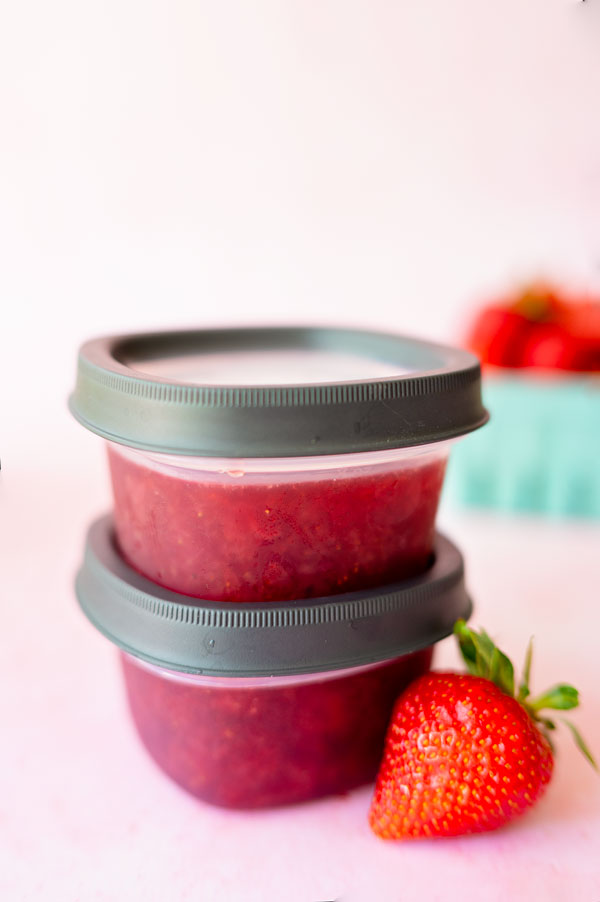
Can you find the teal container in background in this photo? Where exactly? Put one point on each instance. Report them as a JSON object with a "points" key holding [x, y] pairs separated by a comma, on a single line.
{"points": [[540, 452]]}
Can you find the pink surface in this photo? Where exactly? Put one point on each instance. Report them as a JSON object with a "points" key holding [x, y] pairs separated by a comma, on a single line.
{"points": [[85, 815]]}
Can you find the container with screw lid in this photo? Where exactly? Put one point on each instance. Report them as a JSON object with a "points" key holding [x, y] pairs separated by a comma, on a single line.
{"points": [[264, 465], [255, 705]]}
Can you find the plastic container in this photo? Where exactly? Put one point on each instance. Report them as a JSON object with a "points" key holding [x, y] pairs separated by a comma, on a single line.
{"points": [[268, 741], [271, 464], [257, 705], [264, 530]]}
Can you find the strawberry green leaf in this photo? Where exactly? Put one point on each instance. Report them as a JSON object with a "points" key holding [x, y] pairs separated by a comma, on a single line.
{"points": [[524, 689], [483, 657], [579, 742], [466, 645], [561, 697], [485, 653], [501, 672]]}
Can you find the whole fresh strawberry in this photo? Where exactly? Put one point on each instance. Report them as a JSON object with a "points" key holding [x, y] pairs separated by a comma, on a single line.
{"points": [[463, 753]]}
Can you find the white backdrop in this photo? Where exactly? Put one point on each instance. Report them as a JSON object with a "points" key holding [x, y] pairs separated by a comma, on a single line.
{"points": [[388, 164], [212, 161]]}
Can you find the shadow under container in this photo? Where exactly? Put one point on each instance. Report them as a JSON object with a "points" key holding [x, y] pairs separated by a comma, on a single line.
{"points": [[259, 465], [259, 705]]}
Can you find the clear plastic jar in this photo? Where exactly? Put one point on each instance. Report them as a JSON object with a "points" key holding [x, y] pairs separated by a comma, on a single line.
{"points": [[277, 529], [267, 741]]}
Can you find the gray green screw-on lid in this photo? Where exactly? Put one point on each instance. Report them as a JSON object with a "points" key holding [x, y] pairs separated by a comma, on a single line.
{"points": [[275, 638], [137, 390]]}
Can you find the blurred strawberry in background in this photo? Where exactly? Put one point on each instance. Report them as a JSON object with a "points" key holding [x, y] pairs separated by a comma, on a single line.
{"points": [[540, 327]]}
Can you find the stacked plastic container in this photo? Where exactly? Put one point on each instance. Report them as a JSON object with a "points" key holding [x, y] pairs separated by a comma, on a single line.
{"points": [[270, 570]]}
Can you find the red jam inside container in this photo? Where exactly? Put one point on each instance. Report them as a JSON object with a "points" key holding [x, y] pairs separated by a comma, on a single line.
{"points": [[277, 530], [263, 742]]}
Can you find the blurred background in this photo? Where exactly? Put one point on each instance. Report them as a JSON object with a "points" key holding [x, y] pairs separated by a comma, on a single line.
{"points": [[368, 163], [373, 163]]}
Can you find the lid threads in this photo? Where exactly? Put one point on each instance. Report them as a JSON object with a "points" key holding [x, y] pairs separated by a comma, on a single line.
{"points": [[305, 636], [435, 396]]}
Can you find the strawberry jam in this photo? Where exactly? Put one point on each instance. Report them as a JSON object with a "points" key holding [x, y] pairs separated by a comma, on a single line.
{"points": [[256, 743], [276, 536]]}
